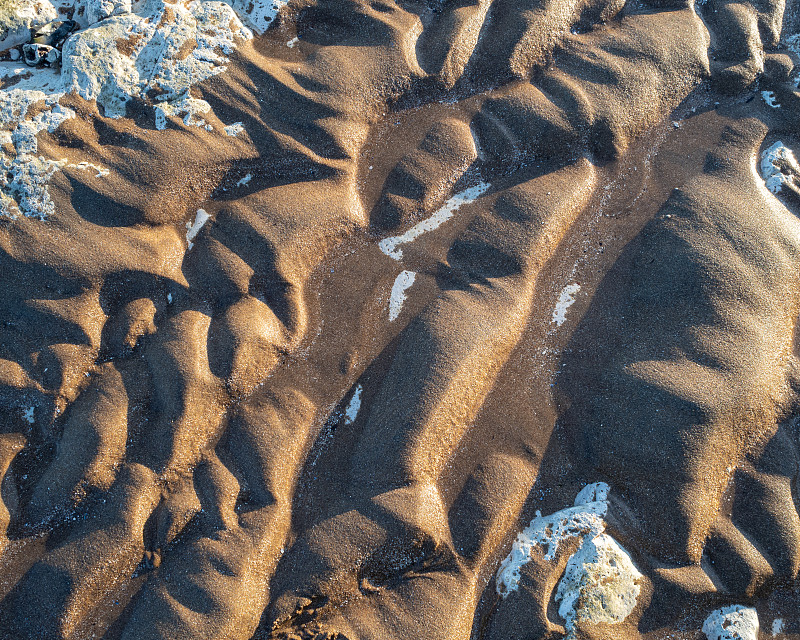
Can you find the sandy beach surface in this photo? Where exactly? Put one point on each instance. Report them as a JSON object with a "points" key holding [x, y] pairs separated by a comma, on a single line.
{"points": [[375, 319]]}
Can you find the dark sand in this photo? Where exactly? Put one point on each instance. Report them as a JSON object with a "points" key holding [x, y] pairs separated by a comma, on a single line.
{"points": [[248, 439]]}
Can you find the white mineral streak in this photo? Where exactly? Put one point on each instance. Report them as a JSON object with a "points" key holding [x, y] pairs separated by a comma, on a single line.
{"points": [[101, 172], [778, 167], [732, 623], [200, 219], [245, 180], [18, 17], [390, 246], [401, 284], [600, 583], [565, 300], [354, 406]]}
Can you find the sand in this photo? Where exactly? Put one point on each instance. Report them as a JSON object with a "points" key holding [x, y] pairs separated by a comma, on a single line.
{"points": [[357, 320]]}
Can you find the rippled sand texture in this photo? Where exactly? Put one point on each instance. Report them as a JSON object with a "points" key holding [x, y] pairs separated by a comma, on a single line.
{"points": [[355, 320]]}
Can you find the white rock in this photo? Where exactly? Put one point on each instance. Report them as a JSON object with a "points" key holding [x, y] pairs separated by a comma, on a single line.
{"points": [[151, 50], [156, 56], [234, 129], [258, 14], [18, 17], [600, 584], [23, 174], [595, 492], [92, 11], [547, 533], [732, 623], [778, 167]]}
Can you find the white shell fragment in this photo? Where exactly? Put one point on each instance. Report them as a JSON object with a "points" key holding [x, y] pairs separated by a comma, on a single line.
{"points": [[600, 583], [736, 622], [91, 11], [200, 219], [770, 99]]}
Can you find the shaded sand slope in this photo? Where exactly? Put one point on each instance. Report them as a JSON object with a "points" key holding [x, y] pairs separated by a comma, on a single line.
{"points": [[721, 353], [711, 375]]}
